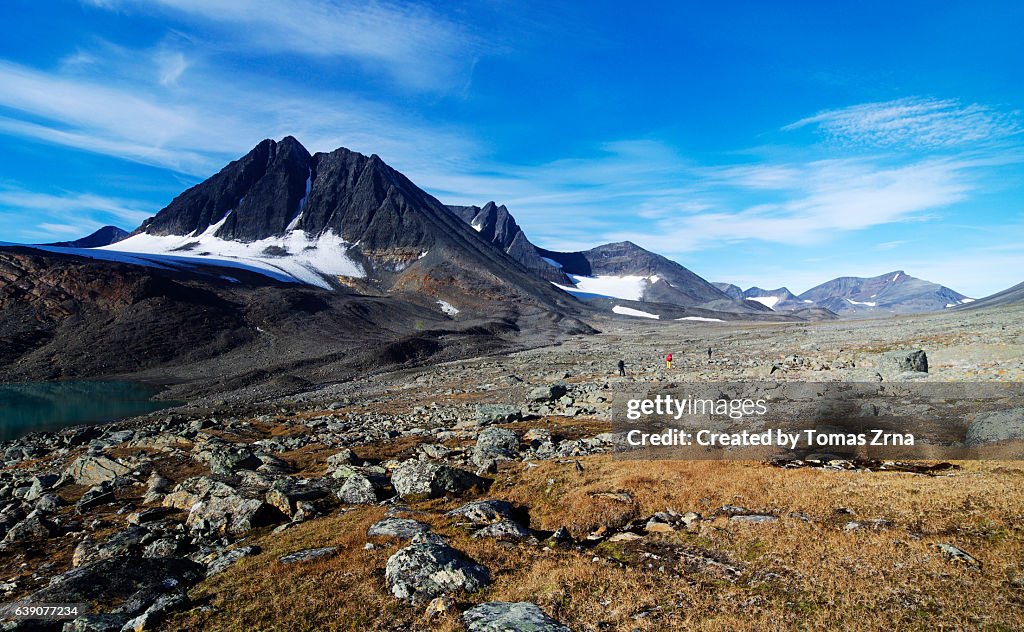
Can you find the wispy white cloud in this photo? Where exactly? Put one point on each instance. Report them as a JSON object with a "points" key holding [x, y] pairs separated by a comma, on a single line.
{"points": [[912, 123], [69, 203], [199, 125], [410, 43], [890, 245], [64, 213], [171, 66]]}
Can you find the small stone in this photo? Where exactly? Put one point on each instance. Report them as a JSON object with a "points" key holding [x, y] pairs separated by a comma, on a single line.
{"points": [[308, 555], [957, 554], [753, 519], [500, 616], [399, 528]]}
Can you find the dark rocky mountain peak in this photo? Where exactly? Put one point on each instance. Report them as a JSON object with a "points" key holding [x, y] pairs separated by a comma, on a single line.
{"points": [[496, 225], [102, 237], [251, 198]]}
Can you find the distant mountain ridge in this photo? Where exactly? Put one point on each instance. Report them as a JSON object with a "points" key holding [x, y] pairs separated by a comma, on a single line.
{"points": [[780, 299], [101, 237], [1009, 296], [894, 292], [620, 270]]}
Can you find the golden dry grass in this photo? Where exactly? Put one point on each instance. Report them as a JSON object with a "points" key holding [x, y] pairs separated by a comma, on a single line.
{"points": [[796, 574]]}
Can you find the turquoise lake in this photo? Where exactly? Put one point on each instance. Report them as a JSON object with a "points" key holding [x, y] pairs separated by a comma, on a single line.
{"points": [[33, 407]]}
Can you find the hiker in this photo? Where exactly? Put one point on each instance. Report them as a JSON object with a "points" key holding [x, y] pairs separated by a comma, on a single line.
{"points": [[668, 361], [709, 354], [622, 368]]}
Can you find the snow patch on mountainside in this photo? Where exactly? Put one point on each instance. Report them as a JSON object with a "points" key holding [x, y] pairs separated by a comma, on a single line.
{"points": [[867, 303], [552, 262], [448, 308], [962, 301], [629, 288], [702, 319], [293, 256], [161, 262], [628, 311], [767, 301]]}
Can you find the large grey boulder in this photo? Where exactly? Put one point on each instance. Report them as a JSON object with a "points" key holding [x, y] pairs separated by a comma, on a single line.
{"points": [[506, 531], [904, 361], [495, 444], [225, 459], [484, 511], [358, 490], [497, 414], [502, 616], [548, 393], [344, 456], [110, 579], [34, 527], [399, 528], [220, 562], [93, 470], [217, 507], [424, 570], [286, 494], [307, 555], [39, 485], [996, 426], [421, 479]]}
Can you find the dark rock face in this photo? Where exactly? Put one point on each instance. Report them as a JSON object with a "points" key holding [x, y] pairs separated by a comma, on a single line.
{"points": [[895, 292], [263, 189], [914, 360], [102, 237]]}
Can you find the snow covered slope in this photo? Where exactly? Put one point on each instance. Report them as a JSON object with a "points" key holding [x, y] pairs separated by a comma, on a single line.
{"points": [[293, 256]]}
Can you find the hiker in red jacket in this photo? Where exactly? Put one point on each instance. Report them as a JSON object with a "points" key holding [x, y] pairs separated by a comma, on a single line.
{"points": [[668, 361]]}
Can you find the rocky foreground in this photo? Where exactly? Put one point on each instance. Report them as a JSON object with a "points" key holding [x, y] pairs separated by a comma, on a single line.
{"points": [[481, 495]]}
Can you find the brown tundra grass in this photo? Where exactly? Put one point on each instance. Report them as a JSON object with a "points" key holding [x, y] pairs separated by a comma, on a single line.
{"points": [[800, 572]]}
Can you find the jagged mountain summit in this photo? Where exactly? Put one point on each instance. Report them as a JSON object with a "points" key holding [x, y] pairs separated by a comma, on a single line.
{"points": [[495, 224], [780, 300], [618, 271], [893, 292], [101, 237]]}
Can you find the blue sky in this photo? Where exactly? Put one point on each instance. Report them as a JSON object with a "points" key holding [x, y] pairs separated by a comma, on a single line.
{"points": [[758, 143]]}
